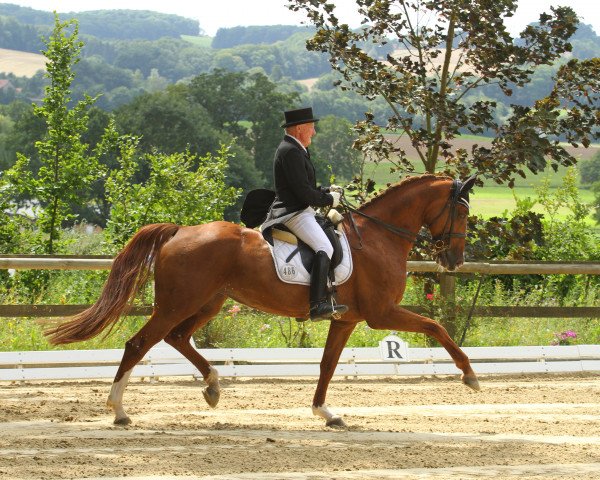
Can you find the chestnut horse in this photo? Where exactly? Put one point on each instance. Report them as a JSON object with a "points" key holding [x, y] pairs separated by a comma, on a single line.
{"points": [[197, 268]]}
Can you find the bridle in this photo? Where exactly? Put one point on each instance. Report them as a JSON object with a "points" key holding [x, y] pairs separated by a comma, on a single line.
{"points": [[439, 243]]}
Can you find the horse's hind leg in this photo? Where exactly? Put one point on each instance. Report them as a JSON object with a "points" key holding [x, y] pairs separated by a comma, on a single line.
{"points": [[179, 338], [397, 318], [135, 349]]}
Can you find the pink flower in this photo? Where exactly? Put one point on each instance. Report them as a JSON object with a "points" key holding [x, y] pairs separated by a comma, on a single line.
{"points": [[234, 310], [564, 338], [429, 296]]}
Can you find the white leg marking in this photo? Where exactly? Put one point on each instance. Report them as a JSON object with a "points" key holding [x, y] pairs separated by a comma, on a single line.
{"points": [[324, 412], [212, 392], [212, 379], [115, 398]]}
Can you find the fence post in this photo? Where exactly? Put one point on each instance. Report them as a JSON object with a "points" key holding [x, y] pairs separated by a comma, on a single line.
{"points": [[448, 294]]}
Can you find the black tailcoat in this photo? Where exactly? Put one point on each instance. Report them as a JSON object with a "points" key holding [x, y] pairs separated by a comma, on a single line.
{"points": [[295, 188], [295, 181]]}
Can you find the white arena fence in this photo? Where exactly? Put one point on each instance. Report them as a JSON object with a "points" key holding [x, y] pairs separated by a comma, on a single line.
{"points": [[163, 360]]}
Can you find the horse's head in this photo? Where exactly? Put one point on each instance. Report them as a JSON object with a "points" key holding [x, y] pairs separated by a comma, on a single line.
{"points": [[448, 225]]}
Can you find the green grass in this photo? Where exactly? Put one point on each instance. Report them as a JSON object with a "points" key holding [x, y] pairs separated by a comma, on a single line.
{"points": [[200, 41], [252, 329], [490, 201], [493, 199], [24, 334], [382, 176], [238, 326]]}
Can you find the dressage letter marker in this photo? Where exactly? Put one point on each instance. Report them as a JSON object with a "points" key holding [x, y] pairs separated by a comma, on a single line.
{"points": [[393, 349]]}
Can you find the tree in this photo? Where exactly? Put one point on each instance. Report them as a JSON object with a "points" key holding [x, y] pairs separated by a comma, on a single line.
{"points": [[332, 152], [596, 189], [264, 106], [169, 122], [449, 49], [16, 36], [589, 170], [226, 60], [180, 188], [66, 169], [9, 224], [220, 94], [264, 34], [234, 99], [590, 175], [174, 121], [27, 130]]}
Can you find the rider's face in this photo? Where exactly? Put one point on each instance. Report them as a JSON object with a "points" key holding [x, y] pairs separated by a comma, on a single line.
{"points": [[305, 132]]}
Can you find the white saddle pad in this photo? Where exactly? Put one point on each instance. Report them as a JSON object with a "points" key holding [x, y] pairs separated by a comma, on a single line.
{"points": [[294, 271]]}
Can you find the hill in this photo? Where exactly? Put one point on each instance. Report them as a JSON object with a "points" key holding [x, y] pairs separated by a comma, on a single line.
{"points": [[110, 24], [121, 68], [255, 35]]}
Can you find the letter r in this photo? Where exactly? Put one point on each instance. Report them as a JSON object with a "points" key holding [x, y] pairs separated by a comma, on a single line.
{"points": [[393, 348]]}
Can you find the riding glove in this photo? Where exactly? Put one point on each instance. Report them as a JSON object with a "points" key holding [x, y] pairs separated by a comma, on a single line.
{"points": [[336, 198]]}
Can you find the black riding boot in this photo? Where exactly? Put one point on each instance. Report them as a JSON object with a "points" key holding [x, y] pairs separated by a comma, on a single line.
{"points": [[319, 306]]}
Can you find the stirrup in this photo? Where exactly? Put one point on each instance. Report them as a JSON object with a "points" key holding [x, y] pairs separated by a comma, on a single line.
{"points": [[325, 310]]}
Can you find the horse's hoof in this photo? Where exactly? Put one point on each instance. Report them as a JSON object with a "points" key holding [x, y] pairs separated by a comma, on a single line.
{"points": [[123, 421], [471, 382], [211, 395], [336, 422]]}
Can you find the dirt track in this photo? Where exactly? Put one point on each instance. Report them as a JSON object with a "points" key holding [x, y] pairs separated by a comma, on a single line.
{"points": [[541, 427]]}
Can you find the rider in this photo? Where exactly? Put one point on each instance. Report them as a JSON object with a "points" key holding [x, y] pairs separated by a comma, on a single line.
{"points": [[296, 194]]}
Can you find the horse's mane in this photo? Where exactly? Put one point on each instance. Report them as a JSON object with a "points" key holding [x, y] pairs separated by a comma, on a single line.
{"points": [[409, 181]]}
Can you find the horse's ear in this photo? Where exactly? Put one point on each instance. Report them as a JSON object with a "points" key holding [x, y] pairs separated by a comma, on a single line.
{"points": [[468, 184]]}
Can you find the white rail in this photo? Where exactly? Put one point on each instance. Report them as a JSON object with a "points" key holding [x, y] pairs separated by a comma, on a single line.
{"points": [[163, 360]]}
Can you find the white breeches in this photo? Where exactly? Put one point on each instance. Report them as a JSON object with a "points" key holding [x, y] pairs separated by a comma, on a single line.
{"points": [[306, 228]]}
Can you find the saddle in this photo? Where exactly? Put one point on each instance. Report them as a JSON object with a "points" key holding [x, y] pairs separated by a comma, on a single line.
{"points": [[281, 232], [294, 259]]}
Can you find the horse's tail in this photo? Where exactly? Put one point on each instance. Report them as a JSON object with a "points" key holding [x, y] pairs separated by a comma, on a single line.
{"points": [[130, 271]]}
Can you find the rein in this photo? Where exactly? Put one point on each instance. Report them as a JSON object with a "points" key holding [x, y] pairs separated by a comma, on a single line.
{"points": [[439, 242], [406, 234]]}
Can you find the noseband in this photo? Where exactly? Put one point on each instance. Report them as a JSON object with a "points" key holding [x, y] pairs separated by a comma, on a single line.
{"points": [[440, 242]]}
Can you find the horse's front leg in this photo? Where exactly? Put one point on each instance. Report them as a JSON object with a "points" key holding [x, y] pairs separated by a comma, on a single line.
{"points": [[338, 335], [396, 318]]}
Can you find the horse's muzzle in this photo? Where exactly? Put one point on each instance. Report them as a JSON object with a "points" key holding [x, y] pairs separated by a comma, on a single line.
{"points": [[449, 260]]}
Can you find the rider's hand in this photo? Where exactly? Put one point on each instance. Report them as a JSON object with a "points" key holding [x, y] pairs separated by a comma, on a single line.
{"points": [[336, 198]]}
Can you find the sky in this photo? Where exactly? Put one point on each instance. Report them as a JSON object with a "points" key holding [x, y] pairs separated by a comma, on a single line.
{"points": [[215, 14]]}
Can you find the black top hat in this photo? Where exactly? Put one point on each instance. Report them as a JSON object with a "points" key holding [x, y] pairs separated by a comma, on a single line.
{"points": [[296, 117]]}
